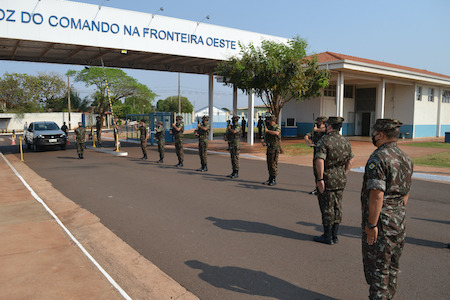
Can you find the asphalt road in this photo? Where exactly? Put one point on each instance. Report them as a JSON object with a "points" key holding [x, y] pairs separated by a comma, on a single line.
{"points": [[238, 239]]}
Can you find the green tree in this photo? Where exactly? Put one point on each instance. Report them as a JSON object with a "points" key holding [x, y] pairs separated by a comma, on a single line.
{"points": [[276, 72], [76, 103], [170, 104], [16, 91], [48, 88], [120, 86]]}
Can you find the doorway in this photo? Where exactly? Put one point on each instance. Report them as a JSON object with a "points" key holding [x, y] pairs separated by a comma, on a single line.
{"points": [[365, 124]]}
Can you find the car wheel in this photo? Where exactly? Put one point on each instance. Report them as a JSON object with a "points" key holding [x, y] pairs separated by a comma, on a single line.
{"points": [[35, 147]]}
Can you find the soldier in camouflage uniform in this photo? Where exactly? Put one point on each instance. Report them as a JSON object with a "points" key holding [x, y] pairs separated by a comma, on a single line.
{"points": [[272, 137], [234, 133], [80, 138], [177, 131], [202, 132], [333, 161], [160, 139], [312, 138], [143, 136], [385, 192]]}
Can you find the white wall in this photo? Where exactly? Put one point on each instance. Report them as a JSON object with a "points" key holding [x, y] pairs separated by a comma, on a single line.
{"points": [[17, 121], [399, 103], [301, 111], [425, 112]]}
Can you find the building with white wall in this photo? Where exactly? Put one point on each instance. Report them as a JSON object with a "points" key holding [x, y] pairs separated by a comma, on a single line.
{"points": [[363, 90]]}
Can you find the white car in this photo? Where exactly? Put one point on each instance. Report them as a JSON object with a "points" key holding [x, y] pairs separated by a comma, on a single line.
{"points": [[46, 133]]}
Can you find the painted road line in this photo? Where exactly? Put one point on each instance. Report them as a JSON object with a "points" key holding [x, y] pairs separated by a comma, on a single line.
{"points": [[416, 175]]}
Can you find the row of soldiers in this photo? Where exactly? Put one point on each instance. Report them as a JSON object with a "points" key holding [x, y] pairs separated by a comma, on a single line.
{"points": [[384, 194]]}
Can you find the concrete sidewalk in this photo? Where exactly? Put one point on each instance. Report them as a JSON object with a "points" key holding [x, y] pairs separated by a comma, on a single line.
{"points": [[40, 260]]}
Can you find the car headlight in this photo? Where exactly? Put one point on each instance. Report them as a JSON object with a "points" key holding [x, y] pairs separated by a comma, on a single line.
{"points": [[40, 136], [62, 135]]}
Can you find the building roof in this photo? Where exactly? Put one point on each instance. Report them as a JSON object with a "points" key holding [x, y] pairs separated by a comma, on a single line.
{"points": [[328, 56]]}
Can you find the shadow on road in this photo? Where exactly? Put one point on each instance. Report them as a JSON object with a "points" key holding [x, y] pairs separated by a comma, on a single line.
{"points": [[251, 282], [257, 227]]}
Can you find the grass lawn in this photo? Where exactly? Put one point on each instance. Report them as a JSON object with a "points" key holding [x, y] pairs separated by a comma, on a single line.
{"points": [[439, 145], [216, 132], [441, 160]]}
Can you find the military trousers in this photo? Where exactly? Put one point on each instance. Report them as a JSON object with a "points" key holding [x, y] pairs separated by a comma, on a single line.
{"points": [[381, 262], [161, 145], [144, 147], [179, 149], [80, 148], [330, 203], [272, 161], [234, 153], [202, 152], [99, 137]]}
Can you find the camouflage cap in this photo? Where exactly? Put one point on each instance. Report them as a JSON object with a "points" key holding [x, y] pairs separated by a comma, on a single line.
{"points": [[387, 124], [235, 118], [179, 118], [270, 118], [160, 122], [322, 119], [335, 120], [205, 118], [142, 121]]}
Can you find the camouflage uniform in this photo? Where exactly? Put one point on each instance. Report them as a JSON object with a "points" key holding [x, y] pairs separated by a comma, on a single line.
{"points": [[203, 144], [160, 139], [336, 153], [179, 137], [389, 170], [80, 137], [234, 144], [98, 127], [273, 150], [315, 137], [143, 135]]}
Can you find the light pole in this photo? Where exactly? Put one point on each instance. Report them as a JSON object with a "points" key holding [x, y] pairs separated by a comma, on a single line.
{"points": [[68, 98]]}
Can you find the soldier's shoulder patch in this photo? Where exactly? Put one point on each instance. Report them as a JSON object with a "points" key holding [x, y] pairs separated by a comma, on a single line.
{"points": [[372, 166]]}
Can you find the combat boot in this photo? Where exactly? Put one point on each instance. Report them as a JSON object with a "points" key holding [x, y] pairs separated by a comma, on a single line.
{"points": [[200, 169], [236, 174], [205, 168], [268, 180], [273, 181], [231, 175], [79, 156], [160, 161], [334, 232], [326, 237]]}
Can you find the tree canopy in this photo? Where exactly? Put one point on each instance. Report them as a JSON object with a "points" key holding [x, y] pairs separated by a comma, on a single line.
{"points": [[275, 72], [170, 104], [121, 86], [29, 93]]}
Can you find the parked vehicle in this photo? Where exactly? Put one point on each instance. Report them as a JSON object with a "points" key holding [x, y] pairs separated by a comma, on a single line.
{"points": [[46, 133]]}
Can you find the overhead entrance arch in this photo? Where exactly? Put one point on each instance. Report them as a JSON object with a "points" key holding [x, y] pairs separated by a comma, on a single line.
{"points": [[67, 32]]}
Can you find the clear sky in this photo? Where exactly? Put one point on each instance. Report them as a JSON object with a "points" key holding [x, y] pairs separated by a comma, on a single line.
{"points": [[413, 33]]}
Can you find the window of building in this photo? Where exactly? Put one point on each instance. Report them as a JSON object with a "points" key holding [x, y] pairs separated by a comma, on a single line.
{"points": [[419, 93], [290, 122], [446, 96], [330, 91], [348, 91], [430, 95]]}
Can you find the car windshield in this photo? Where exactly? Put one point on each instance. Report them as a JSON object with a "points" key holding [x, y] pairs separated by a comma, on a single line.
{"points": [[46, 126]]}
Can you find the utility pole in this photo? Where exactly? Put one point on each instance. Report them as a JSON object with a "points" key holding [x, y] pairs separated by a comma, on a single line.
{"points": [[179, 94], [68, 98]]}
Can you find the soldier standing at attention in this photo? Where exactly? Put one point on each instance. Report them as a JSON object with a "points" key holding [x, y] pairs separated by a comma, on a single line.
{"points": [[243, 126], [272, 138], [234, 134], [384, 194], [160, 139], [177, 131], [80, 138], [98, 127], [312, 138], [260, 126], [334, 158], [202, 133], [65, 129], [143, 136]]}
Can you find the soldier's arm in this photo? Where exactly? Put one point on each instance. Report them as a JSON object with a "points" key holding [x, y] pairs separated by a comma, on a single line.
{"points": [[406, 198], [273, 132], [375, 204], [348, 165], [320, 166]]}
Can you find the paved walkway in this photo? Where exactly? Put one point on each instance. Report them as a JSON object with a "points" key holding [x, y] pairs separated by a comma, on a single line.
{"points": [[41, 259]]}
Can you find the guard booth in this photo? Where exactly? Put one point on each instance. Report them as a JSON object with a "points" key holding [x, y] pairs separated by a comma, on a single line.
{"points": [[151, 121]]}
